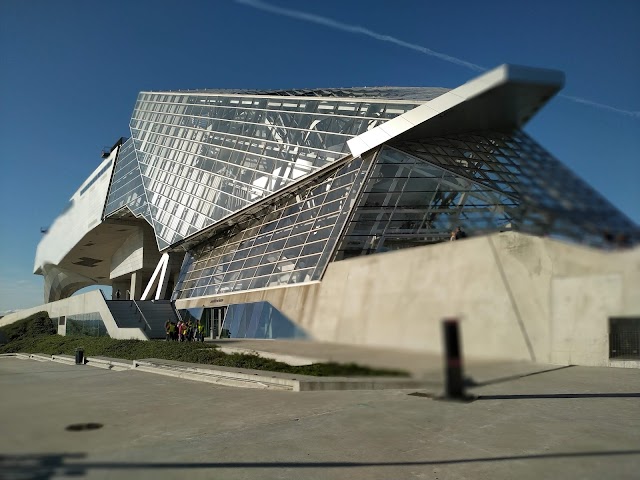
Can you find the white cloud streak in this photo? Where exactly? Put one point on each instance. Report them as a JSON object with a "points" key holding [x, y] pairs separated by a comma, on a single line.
{"points": [[584, 101], [328, 22]]}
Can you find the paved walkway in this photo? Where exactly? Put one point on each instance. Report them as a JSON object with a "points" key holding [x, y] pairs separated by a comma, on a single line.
{"points": [[573, 422], [423, 366]]}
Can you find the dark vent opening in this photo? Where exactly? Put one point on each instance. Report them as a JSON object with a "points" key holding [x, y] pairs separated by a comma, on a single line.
{"points": [[624, 338]]}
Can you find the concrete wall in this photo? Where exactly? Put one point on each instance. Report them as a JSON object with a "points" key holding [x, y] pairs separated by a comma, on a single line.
{"points": [[518, 297], [86, 303], [134, 262], [83, 213], [128, 258]]}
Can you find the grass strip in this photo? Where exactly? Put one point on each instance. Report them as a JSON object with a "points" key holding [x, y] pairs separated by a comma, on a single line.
{"points": [[36, 334]]}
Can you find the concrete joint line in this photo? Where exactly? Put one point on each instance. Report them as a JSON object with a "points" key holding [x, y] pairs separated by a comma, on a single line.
{"points": [[512, 300]]}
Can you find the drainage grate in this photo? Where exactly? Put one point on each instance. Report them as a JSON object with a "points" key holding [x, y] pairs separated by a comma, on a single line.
{"points": [[80, 427]]}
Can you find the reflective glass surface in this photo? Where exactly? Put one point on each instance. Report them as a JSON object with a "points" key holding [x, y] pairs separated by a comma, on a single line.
{"points": [[86, 324], [290, 244], [418, 192], [419, 94], [203, 156], [126, 185], [258, 320], [203, 167]]}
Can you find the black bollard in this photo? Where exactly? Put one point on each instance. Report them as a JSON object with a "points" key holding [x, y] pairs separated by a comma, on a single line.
{"points": [[454, 379], [79, 356]]}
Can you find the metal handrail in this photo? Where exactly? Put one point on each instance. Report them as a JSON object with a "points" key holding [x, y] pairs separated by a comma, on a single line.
{"points": [[177, 312], [142, 314]]}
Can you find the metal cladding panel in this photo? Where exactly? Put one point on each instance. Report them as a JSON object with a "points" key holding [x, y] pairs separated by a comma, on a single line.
{"points": [[503, 98]]}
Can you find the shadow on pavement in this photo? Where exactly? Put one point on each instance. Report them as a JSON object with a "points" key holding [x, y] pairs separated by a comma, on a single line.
{"points": [[470, 382], [558, 395], [44, 467]]}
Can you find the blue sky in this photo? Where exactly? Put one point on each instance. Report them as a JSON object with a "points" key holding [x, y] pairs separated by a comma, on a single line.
{"points": [[70, 72]]}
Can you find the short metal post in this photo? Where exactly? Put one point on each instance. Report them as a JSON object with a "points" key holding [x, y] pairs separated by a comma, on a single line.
{"points": [[79, 356], [454, 379]]}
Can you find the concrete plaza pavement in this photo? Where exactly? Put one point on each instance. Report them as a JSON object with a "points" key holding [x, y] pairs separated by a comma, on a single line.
{"points": [[571, 422]]}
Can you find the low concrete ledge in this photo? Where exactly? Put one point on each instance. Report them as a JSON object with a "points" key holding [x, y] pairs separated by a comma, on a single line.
{"points": [[232, 376], [219, 375], [238, 377], [68, 359], [624, 363], [40, 357], [116, 364]]}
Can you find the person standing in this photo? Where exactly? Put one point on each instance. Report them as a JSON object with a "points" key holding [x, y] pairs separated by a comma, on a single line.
{"points": [[179, 330], [167, 330], [201, 331]]}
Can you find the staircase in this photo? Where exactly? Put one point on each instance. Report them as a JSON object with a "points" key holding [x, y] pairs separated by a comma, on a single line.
{"points": [[147, 315]]}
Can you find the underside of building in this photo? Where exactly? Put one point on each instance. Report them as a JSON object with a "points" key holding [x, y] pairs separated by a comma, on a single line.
{"points": [[227, 203]]}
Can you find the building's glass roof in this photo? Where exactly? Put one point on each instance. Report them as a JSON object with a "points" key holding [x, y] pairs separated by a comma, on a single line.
{"points": [[420, 94], [201, 158]]}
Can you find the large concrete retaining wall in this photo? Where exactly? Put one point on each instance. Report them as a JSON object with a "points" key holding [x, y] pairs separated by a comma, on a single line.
{"points": [[518, 297]]}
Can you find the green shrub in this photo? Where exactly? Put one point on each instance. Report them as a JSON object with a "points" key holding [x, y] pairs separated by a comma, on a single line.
{"points": [[37, 324]]}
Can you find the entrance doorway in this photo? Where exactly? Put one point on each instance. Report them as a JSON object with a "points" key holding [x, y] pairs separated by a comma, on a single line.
{"points": [[213, 319]]}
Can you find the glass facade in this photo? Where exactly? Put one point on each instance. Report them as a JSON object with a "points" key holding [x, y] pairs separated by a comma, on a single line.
{"points": [[126, 185], [258, 320], [259, 188], [408, 202], [203, 156], [86, 324], [291, 244], [418, 192]]}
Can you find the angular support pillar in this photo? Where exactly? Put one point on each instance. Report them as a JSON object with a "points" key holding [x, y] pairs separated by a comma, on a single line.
{"points": [[135, 289]]}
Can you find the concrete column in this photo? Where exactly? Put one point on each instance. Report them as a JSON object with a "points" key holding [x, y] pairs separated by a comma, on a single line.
{"points": [[135, 287]]}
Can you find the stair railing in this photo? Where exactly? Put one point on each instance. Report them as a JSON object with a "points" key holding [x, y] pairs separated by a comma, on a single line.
{"points": [[178, 314], [142, 315]]}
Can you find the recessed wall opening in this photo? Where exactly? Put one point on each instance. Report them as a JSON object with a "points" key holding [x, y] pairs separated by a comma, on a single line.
{"points": [[624, 338]]}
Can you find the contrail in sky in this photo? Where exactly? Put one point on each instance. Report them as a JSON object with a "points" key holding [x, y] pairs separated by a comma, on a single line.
{"points": [[328, 22], [584, 101]]}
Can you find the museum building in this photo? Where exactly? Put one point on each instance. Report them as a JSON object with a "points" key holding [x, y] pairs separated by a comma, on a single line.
{"points": [[231, 206]]}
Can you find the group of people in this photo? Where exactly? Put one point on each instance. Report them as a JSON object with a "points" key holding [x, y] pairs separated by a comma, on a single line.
{"points": [[458, 234], [184, 331]]}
